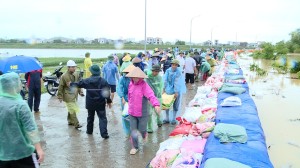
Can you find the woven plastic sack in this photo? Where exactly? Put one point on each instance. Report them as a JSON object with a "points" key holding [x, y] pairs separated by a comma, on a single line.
{"points": [[192, 114], [167, 101], [232, 101]]}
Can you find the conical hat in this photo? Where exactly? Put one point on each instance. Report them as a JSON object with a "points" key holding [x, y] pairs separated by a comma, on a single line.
{"points": [[136, 60], [126, 58], [129, 68], [136, 73]]}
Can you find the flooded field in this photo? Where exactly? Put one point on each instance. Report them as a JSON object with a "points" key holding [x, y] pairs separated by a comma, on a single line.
{"points": [[277, 100]]}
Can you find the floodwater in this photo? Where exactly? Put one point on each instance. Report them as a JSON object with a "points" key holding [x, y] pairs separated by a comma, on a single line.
{"points": [[41, 53], [66, 147], [277, 99]]}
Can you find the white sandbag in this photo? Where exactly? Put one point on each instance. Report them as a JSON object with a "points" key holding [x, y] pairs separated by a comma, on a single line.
{"points": [[232, 101], [192, 114], [204, 89], [171, 143]]}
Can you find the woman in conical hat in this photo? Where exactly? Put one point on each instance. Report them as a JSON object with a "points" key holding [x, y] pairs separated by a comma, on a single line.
{"points": [[139, 93]]}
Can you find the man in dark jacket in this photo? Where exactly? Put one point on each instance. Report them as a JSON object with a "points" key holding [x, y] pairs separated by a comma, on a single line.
{"points": [[97, 96], [198, 60], [33, 79]]}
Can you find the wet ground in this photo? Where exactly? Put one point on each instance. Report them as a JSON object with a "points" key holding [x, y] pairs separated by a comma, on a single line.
{"points": [[277, 100], [276, 96], [67, 147]]}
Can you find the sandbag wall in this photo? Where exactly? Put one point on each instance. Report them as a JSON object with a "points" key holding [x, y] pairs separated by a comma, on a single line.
{"points": [[193, 143], [252, 153]]}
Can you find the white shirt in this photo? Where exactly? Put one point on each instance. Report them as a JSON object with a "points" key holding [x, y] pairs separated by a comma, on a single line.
{"points": [[190, 64], [181, 61]]}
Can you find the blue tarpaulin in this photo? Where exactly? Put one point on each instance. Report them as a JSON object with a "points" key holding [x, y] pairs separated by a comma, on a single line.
{"points": [[254, 152]]}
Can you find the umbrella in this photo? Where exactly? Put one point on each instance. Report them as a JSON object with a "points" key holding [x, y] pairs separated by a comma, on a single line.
{"points": [[19, 64]]}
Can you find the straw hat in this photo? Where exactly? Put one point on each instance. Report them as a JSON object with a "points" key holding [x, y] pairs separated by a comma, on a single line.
{"points": [[129, 68], [155, 54], [207, 57], [136, 60], [126, 58], [169, 55], [175, 61], [136, 73]]}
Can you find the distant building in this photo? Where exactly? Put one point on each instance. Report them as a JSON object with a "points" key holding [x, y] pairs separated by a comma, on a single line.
{"points": [[207, 43], [216, 42], [129, 40], [243, 44], [102, 40], [233, 43], [253, 45], [157, 40]]}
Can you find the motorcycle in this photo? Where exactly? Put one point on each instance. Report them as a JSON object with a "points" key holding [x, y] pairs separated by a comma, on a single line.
{"points": [[51, 82], [24, 90]]}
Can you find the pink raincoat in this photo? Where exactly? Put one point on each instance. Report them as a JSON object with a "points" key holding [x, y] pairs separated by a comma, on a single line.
{"points": [[136, 92]]}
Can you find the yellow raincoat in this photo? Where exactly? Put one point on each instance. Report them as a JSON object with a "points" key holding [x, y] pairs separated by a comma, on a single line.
{"points": [[87, 64]]}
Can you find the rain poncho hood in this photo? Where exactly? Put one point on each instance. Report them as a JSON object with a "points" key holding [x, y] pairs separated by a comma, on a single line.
{"points": [[156, 84], [110, 72], [10, 85], [18, 130], [174, 81]]}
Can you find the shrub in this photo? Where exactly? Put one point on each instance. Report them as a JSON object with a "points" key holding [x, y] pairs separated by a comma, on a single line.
{"points": [[297, 50], [298, 75]]}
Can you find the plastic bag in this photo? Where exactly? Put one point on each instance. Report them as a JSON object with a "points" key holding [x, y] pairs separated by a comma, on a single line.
{"points": [[125, 110], [232, 101]]}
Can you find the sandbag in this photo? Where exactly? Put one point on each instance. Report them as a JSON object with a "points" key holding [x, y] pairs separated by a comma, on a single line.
{"points": [[232, 101], [230, 133], [223, 163], [183, 129], [167, 101], [196, 146], [192, 114]]}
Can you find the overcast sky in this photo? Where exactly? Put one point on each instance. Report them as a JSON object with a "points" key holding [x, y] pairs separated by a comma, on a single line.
{"points": [[225, 20]]}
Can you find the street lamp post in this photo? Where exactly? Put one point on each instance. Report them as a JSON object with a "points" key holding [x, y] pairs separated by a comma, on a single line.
{"points": [[191, 30], [145, 40], [211, 42], [211, 35]]}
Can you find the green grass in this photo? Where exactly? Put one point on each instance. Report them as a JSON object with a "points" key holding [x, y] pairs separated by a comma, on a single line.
{"points": [[126, 46], [50, 64]]}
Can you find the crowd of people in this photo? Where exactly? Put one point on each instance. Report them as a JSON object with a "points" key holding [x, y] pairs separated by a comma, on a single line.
{"points": [[139, 82]]}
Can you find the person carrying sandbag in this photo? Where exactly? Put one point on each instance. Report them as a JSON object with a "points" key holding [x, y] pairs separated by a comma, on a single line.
{"points": [[174, 84]]}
